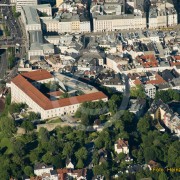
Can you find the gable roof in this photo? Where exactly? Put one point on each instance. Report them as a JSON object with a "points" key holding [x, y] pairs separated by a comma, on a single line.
{"points": [[43, 101], [121, 143]]}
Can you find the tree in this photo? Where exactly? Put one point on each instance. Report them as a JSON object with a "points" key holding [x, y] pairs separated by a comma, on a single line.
{"points": [[47, 158], [43, 135], [7, 126], [85, 119], [34, 156], [173, 153], [80, 164], [81, 153], [68, 149], [162, 176], [57, 161], [8, 99], [27, 125], [28, 170], [144, 124], [95, 157], [138, 92], [16, 107], [163, 95], [149, 154], [33, 116], [121, 156], [18, 147]]}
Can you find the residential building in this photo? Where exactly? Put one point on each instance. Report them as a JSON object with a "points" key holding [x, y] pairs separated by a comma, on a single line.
{"points": [[121, 146], [112, 80], [79, 174], [137, 106], [44, 8], [163, 14], [69, 164], [20, 3], [111, 17], [163, 112], [113, 62], [150, 90], [42, 168]]}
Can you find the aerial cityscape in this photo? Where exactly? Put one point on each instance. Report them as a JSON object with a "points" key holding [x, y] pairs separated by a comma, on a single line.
{"points": [[89, 89]]}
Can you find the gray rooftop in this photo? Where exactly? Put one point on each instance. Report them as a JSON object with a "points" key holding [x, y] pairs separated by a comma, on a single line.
{"points": [[31, 14], [35, 37]]}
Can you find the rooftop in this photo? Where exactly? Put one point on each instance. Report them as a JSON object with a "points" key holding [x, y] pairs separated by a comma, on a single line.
{"points": [[22, 83], [31, 14]]}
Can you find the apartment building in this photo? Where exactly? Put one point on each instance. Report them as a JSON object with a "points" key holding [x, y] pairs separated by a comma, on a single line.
{"points": [[44, 8], [150, 90], [68, 23], [23, 91], [162, 15], [20, 3]]}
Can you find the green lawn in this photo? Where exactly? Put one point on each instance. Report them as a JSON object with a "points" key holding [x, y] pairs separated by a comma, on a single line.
{"points": [[57, 120], [5, 142]]}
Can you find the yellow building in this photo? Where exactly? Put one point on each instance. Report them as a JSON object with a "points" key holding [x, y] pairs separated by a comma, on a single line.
{"points": [[59, 2]]}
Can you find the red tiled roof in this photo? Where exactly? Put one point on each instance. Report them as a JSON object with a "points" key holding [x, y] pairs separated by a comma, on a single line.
{"points": [[37, 75], [153, 164], [174, 63], [55, 93], [148, 61], [137, 82], [158, 80], [63, 172], [122, 143], [46, 103], [177, 57]]}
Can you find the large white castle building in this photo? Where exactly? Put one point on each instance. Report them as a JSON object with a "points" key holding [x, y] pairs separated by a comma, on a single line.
{"points": [[24, 89]]}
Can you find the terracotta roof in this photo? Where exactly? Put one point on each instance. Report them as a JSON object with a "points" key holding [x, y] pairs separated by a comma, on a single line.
{"points": [[46, 103], [153, 164], [37, 75], [55, 93], [174, 63], [122, 143], [137, 82], [158, 80], [177, 57], [63, 172], [148, 61]]}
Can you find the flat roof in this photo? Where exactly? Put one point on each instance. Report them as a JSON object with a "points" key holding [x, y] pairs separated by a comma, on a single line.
{"points": [[75, 84], [31, 15]]}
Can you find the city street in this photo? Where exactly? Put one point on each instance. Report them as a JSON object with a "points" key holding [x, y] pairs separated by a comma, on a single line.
{"points": [[3, 64], [16, 37]]}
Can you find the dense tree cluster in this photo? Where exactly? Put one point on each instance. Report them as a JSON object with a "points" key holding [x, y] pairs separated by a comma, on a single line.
{"points": [[168, 95], [138, 92], [19, 154], [90, 111]]}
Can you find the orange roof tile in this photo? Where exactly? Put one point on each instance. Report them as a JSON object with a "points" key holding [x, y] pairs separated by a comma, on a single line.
{"points": [[122, 143], [174, 63], [55, 93], [148, 61], [46, 103], [177, 57], [37, 75], [137, 82], [158, 80]]}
